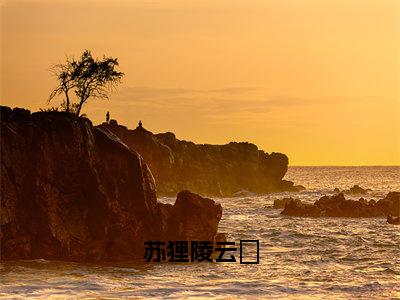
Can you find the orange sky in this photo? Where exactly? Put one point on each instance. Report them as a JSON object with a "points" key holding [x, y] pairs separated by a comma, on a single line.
{"points": [[317, 80]]}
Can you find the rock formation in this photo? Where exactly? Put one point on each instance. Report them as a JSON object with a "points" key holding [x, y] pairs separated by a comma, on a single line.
{"points": [[281, 203], [186, 218], [70, 191], [219, 170], [338, 206], [354, 190], [393, 220]]}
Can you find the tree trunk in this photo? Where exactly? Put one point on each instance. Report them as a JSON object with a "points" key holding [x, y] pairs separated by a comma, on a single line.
{"points": [[78, 112], [67, 101]]}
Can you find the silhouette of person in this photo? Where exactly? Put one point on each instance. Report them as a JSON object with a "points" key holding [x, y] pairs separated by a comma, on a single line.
{"points": [[140, 124], [108, 117]]}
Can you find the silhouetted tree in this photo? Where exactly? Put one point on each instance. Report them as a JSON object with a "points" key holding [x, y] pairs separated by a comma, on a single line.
{"points": [[66, 82], [86, 77]]}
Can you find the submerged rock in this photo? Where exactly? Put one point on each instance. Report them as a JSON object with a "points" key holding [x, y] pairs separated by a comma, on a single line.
{"points": [[70, 191], [338, 206], [281, 203], [356, 190], [243, 193]]}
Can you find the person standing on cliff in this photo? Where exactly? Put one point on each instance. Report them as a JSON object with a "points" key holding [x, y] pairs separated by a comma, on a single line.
{"points": [[140, 124], [108, 117]]}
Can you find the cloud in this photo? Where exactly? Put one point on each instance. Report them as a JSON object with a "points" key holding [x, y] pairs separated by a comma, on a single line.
{"points": [[232, 105], [226, 99], [156, 92]]}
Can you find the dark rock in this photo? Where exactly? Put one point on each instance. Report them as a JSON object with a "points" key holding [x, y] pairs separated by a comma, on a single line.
{"points": [[336, 191], [338, 206], [219, 170], [192, 217], [390, 205], [299, 209], [220, 237], [5, 112], [393, 220], [363, 201], [356, 190], [70, 191], [281, 203], [299, 188], [113, 122]]}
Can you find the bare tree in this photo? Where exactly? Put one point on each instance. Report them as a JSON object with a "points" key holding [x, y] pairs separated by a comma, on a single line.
{"points": [[86, 77], [66, 82]]}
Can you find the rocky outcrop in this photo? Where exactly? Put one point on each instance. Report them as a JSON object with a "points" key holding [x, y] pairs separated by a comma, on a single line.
{"points": [[299, 209], [281, 203], [299, 188], [186, 218], [354, 190], [338, 206], [70, 191], [219, 170]]}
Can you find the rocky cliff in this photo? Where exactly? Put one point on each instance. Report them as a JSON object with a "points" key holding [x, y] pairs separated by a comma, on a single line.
{"points": [[70, 191], [219, 170]]}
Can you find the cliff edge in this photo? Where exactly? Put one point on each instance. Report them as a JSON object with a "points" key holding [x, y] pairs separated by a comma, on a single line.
{"points": [[216, 170]]}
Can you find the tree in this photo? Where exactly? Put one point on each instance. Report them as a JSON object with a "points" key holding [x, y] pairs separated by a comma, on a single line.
{"points": [[86, 77]]}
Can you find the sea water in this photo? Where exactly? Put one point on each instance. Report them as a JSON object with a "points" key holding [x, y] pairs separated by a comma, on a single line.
{"points": [[338, 258]]}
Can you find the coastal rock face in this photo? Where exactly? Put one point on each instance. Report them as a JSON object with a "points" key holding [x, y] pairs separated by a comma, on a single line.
{"points": [[70, 191], [338, 206], [186, 218], [219, 170]]}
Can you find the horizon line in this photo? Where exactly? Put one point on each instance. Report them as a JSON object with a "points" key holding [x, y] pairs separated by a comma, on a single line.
{"points": [[344, 166]]}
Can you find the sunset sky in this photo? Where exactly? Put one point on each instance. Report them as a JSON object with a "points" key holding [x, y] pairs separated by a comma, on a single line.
{"points": [[316, 80]]}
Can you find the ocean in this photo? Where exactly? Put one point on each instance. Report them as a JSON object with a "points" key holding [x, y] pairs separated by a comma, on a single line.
{"points": [[335, 258]]}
